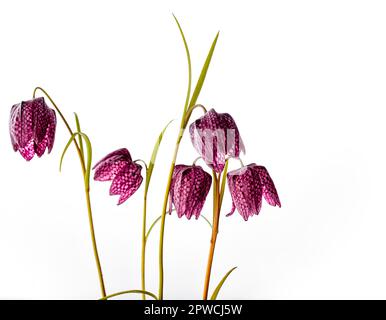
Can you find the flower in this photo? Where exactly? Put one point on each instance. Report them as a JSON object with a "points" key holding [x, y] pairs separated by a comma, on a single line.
{"points": [[125, 174], [215, 136], [188, 190], [32, 127], [247, 185]]}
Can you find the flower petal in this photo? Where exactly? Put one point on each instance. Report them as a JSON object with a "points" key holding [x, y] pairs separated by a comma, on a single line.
{"points": [[107, 168], [126, 182], [269, 189]]}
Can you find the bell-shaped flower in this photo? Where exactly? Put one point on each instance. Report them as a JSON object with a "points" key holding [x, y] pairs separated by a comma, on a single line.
{"points": [[119, 168], [247, 186], [32, 126], [215, 137], [188, 190]]}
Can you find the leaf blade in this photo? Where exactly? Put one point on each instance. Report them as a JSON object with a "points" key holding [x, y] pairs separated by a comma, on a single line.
{"points": [[219, 286], [89, 155], [79, 130], [154, 156], [203, 73], [189, 65]]}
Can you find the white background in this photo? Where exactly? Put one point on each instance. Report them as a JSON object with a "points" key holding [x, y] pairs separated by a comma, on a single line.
{"points": [[305, 82]]}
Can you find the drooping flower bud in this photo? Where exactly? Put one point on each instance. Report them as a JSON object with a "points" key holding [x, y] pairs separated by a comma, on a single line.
{"points": [[119, 168], [216, 137], [188, 190], [32, 126], [247, 186]]}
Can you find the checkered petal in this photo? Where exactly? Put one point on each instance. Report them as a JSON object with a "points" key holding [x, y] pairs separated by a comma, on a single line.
{"points": [[126, 182], [247, 186], [189, 189], [216, 137], [107, 168], [32, 127]]}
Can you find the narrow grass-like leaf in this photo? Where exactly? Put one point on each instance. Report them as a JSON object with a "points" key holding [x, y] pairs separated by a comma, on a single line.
{"points": [[204, 70], [152, 226], [154, 157], [207, 220], [189, 65], [223, 181], [79, 130], [218, 288], [89, 155], [129, 292]]}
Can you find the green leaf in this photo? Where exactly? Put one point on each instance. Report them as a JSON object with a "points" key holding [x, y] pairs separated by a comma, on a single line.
{"points": [[154, 157], [204, 70], [89, 156], [207, 220], [189, 65], [159, 218], [152, 226], [218, 288], [79, 130], [129, 292]]}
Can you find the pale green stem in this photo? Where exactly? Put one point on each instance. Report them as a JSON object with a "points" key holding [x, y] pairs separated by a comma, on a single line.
{"points": [[87, 191], [143, 253], [162, 228], [65, 123]]}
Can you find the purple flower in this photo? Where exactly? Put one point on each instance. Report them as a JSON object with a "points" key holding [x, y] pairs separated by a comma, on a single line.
{"points": [[188, 190], [247, 186], [32, 127], [125, 174], [215, 136]]}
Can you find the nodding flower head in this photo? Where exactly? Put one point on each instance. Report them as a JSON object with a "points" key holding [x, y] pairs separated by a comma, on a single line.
{"points": [[215, 137], [32, 126], [119, 168], [188, 190], [247, 186]]}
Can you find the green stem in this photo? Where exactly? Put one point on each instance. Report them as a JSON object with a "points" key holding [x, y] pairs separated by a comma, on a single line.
{"points": [[162, 228], [94, 245], [65, 123], [143, 254], [87, 188]]}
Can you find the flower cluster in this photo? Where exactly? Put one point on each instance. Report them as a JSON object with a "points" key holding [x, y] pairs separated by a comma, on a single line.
{"points": [[215, 137]]}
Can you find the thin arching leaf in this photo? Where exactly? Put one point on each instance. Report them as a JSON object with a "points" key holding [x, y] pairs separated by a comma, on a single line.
{"points": [[148, 293], [204, 70], [189, 65], [152, 226], [219, 286], [159, 218], [79, 130], [207, 220], [89, 155], [154, 156]]}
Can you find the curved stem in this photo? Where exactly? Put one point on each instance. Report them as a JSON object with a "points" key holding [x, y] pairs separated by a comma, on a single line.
{"points": [[86, 176], [65, 123], [143, 162], [130, 291], [195, 160], [191, 109]]}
